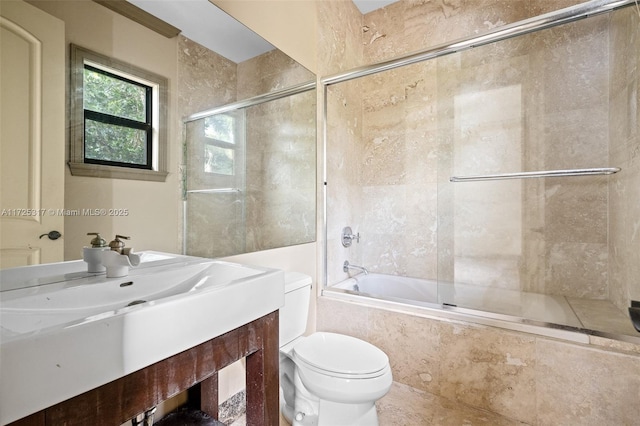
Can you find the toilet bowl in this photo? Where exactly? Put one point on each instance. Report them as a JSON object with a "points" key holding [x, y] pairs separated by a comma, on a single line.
{"points": [[326, 378]]}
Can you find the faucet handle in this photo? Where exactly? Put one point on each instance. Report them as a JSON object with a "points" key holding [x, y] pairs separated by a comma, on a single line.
{"points": [[98, 241], [348, 236]]}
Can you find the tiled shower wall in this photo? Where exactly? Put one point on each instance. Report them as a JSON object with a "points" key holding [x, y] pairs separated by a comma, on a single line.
{"points": [[536, 102], [624, 135], [276, 206], [280, 137]]}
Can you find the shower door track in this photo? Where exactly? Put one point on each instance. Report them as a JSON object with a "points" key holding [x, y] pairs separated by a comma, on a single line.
{"points": [[256, 100]]}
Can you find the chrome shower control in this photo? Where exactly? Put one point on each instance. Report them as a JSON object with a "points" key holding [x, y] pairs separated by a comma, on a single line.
{"points": [[348, 236]]}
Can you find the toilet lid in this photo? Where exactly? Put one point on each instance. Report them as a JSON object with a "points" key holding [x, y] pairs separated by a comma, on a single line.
{"points": [[344, 355]]}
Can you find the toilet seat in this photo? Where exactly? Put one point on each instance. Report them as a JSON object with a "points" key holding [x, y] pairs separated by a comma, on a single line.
{"points": [[341, 356]]}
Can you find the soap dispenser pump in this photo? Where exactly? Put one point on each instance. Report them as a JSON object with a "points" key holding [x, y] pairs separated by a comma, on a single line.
{"points": [[117, 244], [93, 254], [98, 241]]}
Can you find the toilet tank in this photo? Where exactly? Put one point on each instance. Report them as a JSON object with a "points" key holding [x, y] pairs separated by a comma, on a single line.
{"points": [[293, 315]]}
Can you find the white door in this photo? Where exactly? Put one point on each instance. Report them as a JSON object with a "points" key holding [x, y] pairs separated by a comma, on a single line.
{"points": [[32, 123]]}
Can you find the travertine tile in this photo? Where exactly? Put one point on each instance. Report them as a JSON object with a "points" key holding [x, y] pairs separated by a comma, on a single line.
{"points": [[576, 138], [577, 270], [413, 345], [197, 89], [343, 317], [429, 23], [602, 315], [280, 154], [489, 368], [339, 36], [407, 406], [615, 345], [584, 386], [535, 380], [576, 211], [404, 406], [624, 134]]}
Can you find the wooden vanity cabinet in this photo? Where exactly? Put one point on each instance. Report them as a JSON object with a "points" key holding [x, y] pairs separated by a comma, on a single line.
{"points": [[195, 369]]}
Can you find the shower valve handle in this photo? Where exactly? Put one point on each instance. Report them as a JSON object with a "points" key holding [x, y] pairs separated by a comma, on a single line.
{"points": [[354, 237], [348, 236]]}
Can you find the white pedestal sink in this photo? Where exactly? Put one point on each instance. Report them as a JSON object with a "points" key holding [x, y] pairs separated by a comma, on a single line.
{"points": [[64, 332]]}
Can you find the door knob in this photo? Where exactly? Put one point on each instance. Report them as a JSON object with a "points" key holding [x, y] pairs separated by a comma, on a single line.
{"points": [[53, 235]]}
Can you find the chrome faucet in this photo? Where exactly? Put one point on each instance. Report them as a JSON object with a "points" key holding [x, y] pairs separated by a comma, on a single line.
{"points": [[346, 266]]}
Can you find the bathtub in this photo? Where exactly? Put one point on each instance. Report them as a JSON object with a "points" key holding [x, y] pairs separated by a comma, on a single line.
{"points": [[392, 287], [471, 299]]}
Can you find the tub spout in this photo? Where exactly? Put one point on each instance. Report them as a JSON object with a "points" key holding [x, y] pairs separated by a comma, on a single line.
{"points": [[346, 266]]}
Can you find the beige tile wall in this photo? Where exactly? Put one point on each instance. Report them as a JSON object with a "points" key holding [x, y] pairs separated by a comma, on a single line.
{"points": [[281, 142], [537, 102], [340, 49], [624, 133], [277, 208], [206, 80], [533, 379]]}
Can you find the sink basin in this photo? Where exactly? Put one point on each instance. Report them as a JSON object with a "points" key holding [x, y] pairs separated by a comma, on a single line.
{"points": [[64, 332], [30, 276]]}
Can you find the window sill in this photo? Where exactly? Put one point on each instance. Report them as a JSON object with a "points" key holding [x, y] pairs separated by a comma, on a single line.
{"points": [[113, 172]]}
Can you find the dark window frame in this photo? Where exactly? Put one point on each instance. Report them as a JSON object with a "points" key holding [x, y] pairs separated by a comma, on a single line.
{"points": [[156, 168], [115, 120]]}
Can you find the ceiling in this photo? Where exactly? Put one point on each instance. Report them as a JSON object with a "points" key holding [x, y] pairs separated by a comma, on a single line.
{"points": [[208, 25]]}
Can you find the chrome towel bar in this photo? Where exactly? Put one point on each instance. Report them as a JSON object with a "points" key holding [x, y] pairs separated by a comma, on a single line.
{"points": [[538, 174]]}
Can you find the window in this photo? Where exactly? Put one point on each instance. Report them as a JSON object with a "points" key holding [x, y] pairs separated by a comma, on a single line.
{"points": [[118, 115], [117, 120], [219, 155], [220, 146]]}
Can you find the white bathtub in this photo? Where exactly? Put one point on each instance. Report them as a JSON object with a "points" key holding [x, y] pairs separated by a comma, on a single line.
{"points": [[392, 287], [415, 291]]}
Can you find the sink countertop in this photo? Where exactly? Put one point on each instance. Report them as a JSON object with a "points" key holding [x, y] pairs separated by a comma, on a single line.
{"points": [[59, 340]]}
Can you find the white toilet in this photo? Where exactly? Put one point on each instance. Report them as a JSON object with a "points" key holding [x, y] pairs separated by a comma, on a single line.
{"points": [[326, 378]]}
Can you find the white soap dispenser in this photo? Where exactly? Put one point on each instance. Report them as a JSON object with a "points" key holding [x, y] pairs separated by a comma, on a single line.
{"points": [[119, 259], [93, 255]]}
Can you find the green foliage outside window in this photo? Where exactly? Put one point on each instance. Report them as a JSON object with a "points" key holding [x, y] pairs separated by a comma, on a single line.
{"points": [[218, 160], [108, 142], [118, 102]]}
